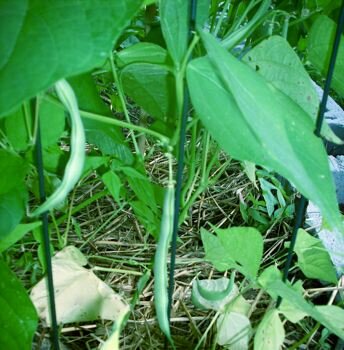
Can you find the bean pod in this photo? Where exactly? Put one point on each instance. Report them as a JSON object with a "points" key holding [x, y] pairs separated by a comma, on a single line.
{"points": [[76, 160], [160, 263]]}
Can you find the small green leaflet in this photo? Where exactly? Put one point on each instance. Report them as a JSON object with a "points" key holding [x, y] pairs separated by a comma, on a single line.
{"points": [[174, 25], [253, 125], [45, 41], [18, 317], [277, 62], [319, 43], [270, 199], [313, 258], [113, 184], [270, 332], [225, 249]]}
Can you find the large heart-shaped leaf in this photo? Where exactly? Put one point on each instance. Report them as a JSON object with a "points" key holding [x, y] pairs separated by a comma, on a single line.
{"points": [[49, 40], [254, 121]]}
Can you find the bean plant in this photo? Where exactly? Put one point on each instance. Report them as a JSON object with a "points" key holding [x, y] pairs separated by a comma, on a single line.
{"points": [[95, 82]]}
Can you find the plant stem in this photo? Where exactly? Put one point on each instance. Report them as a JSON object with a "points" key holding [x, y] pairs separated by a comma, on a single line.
{"points": [[222, 16], [191, 164], [28, 122], [305, 338], [106, 120], [123, 102], [206, 141], [207, 330], [81, 206]]}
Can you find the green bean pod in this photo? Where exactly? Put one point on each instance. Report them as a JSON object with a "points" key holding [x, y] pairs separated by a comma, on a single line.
{"points": [[76, 160], [160, 263]]}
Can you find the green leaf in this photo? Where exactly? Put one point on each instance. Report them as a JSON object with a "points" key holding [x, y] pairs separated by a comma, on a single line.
{"points": [[313, 258], [12, 171], [108, 145], [213, 294], [142, 53], [250, 170], [53, 40], [233, 330], [108, 138], [215, 252], [87, 94], [16, 130], [93, 163], [12, 209], [270, 332], [247, 116], [113, 184], [174, 25], [13, 193], [18, 233], [52, 119], [289, 310], [277, 62], [269, 275], [269, 197], [147, 218], [234, 241], [54, 158], [277, 287], [333, 315], [144, 191], [319, 47], [152, 87], [292, 313], [202, 13], [18, 318]]}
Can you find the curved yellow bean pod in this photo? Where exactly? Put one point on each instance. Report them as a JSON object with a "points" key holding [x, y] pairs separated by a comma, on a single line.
{"points": [[76, 160]]}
